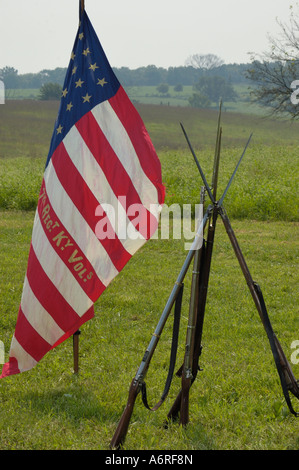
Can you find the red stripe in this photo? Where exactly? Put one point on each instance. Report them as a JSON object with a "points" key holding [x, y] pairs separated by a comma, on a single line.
{"points": [[29, 339], [100, 148], [10, 368], [52, 301], [140, 139], [48, 295], [87, 204], [115, 173], [67, 248]]}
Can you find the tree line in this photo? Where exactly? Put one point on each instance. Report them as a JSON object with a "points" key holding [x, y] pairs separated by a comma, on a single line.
{"points": [[142, 76]]}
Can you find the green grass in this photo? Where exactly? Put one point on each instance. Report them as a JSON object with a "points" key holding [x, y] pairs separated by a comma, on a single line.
{"points": [[236, 402], [264, 188]]}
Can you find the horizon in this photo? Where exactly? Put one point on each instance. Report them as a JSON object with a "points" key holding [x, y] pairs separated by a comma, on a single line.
{"points": [[133, 69]]}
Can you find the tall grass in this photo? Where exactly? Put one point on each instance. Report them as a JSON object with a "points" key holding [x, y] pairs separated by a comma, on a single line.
{"points": [[20, 181], [264, 188]]}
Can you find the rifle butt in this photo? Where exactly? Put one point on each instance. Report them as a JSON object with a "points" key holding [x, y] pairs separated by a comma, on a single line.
{"points": [[184, 411], [123, 425], [291, 383], [175, 409], [181, 405]]}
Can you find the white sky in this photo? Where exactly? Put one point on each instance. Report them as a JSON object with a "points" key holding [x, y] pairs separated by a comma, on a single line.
{"points": [[39, 34]]}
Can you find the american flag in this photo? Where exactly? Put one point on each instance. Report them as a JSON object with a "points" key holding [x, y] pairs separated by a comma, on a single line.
{"points": [[99, 202]]}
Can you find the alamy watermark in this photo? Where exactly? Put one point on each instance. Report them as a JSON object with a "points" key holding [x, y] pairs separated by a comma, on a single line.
{"points": [[295, 354], [294, 95], [135, 222], [2, 92], [2, 351]]}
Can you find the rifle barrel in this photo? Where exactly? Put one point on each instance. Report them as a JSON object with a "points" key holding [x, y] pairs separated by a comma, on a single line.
{"points": [[235, 171], [198, 166], [155, 338], [217, 154]]}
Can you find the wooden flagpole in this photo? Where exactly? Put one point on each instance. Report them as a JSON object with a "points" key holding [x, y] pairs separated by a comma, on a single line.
{"points": [[76, 351], [77, 333]]}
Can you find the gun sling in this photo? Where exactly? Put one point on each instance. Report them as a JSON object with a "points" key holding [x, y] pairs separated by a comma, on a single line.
{"points": [[174, 347], [282, 366]]}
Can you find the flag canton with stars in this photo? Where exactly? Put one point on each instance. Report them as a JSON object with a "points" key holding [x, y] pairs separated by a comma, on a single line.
{"points": [[89, 81]]}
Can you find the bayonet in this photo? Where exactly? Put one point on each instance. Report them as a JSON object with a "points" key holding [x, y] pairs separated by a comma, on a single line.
{"points": [[217, 154], [198, 166], [219, 204]]}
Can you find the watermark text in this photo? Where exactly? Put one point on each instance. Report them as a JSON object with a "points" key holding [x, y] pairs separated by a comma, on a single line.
{"points": [[2, 92], [295, 354], [136, 222], [294, 95], [2, 352]]}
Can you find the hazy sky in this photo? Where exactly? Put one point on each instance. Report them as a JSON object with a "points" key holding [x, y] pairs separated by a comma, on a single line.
{"points": [[39, 34]]}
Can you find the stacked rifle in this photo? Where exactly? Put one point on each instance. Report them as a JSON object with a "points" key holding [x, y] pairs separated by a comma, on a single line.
{"points": [[201, 255]]}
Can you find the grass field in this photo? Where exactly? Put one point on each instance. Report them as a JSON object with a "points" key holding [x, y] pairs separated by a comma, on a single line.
{"points": [[236, 402]]}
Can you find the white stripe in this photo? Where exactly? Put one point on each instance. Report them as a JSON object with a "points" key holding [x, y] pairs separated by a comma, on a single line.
{"points": [[76, 225], [58, 272], [25, 361], [38, 317], [97, 182], [121, 144]]}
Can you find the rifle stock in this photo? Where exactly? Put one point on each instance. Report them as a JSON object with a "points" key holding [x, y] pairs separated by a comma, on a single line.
{"points": [[123, 425], [291, 382], [184, 408]]}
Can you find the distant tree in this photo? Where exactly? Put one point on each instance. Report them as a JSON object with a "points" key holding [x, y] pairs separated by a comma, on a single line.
{"points": [[163, 88], [275, 74], [151, 75], [204, 61], [6, 71], [50, 91], [178, 87], [54, 76], [199, 101], [9, 75], [214, 88]]}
